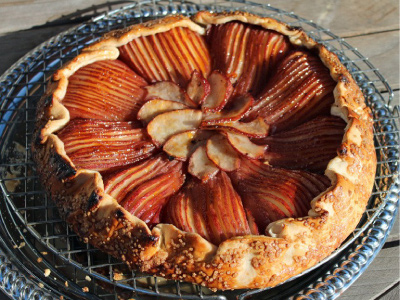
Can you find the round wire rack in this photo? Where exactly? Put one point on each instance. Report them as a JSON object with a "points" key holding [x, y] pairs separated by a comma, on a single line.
{"points": [[41, 258]]}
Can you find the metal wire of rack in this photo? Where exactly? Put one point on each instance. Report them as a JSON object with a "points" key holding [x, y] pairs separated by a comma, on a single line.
{"points": [[34, 237]]}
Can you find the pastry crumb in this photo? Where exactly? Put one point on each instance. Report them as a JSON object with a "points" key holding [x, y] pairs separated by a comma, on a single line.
{"points": [[118, 276], [22, 244], [44, 253], [39, 260], [66, 283], [87, 278], [85, 289], [41, 285], [47, 272]]}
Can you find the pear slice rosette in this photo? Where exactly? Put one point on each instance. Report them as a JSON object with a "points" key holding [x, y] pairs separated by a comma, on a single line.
{"points": [[180, 130], [170, 145]]}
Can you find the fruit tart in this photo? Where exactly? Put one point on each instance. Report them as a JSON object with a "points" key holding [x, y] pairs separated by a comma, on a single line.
{"points": [[226, 149]]}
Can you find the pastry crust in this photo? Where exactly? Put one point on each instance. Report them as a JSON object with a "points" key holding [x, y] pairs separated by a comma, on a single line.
{"points": [[289, 247]]}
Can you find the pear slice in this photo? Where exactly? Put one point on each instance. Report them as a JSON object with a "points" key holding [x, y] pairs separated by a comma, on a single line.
{"points": [[221, 153], [155, 107], [198, 88], [232, 112], [182, 145], [168, 90], [163, 126], [244, 146], [201, 166], [256, 128], [221, 90]]}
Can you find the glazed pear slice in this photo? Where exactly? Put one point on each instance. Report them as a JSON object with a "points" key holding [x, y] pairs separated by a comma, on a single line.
{"points": [[309, 146], [198, 88], [271, 194], [172, 55], [220, 91], [168, 90], [106, 90], [244, 146], [121, 182], [256, 128], [102, 145], [155, 107], [234, 111], [182, 145], [221, 153], [170, 123], [246, 54], [201, 166], [301, 89], [147, 199], [212, 209]]}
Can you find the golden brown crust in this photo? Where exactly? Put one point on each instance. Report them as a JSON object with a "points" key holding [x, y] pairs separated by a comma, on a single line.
{"points": [[289, 247]]}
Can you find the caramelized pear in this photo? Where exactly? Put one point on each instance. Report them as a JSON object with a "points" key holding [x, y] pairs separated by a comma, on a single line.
{"points": [[301, 89], [246, 54], [271, 194], [198, 88], [105, 90], [162, 127], [147, 199], [172, 55], [102, 145], [119, 183], [309, 146], [212, 209]]}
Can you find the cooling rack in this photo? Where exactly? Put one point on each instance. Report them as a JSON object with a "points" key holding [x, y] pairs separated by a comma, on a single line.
{"points": [[40, 258]]}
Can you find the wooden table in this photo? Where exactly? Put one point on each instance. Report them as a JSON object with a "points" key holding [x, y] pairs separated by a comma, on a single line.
{"points": [[369, 25]]}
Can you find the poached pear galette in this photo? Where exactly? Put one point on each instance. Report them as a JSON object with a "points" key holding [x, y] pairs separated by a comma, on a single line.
{"points": [[226, 149]]}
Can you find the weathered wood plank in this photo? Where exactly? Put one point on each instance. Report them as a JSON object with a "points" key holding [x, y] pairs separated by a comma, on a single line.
{"points": [[17, 44], [346, 17], [382, 49], [343, 17], [391, 294], [381, 274], [21, 14]]}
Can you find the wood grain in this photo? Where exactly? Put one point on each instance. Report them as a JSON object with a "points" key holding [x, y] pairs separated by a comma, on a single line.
{"points": [[344, 17], [380, 275], [382, 50]]}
